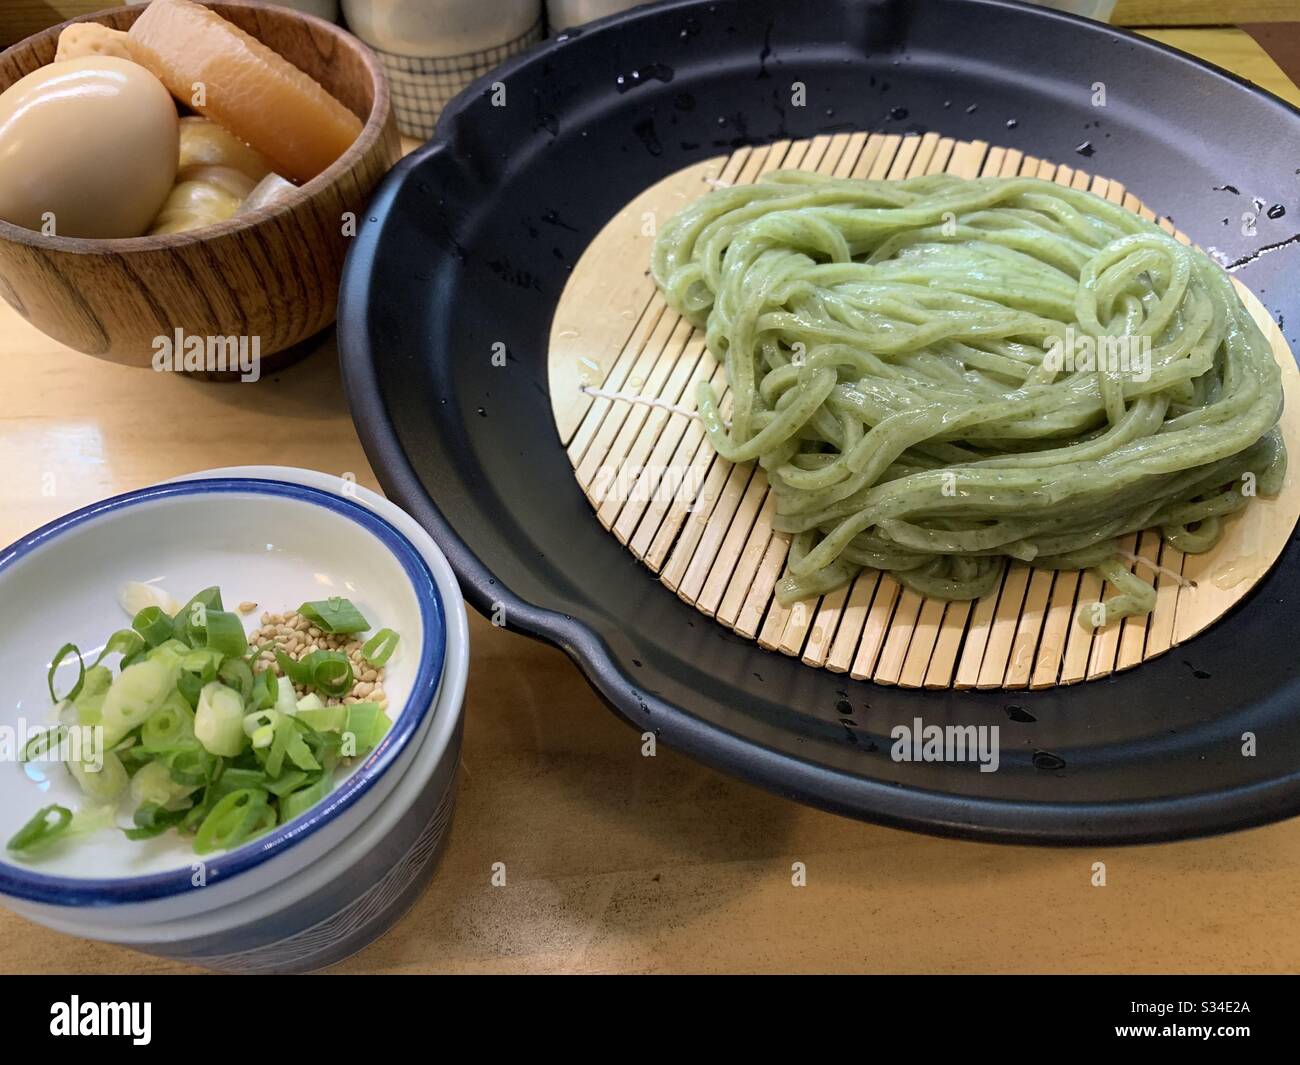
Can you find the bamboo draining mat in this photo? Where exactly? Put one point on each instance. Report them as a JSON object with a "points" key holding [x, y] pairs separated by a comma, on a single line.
{"points": [[704, 525]]}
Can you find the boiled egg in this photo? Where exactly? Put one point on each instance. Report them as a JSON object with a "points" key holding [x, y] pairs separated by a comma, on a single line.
{"points": [[88, 148]]}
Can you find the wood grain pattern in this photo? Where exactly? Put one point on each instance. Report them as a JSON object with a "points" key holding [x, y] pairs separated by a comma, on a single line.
{"points": [[705, 525], [1236, 51], [22, 18], [273, 273], [1202, 12]]}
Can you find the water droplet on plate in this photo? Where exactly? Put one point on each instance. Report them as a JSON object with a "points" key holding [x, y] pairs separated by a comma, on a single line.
{"points": [[1233, 572], [1047, 761]]}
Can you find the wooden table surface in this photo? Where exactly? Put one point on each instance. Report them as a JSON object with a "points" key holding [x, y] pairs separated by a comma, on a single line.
{"points": [[617, 862]]}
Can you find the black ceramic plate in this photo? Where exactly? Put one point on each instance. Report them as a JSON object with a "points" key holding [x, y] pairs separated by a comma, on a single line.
{"points": [[469, 243]]}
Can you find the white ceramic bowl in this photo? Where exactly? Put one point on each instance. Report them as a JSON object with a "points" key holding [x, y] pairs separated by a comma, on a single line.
{"points": [[348, 541], [449, 28], [430, 52]]}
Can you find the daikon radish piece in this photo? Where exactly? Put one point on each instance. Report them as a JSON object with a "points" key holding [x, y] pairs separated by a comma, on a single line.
{"points": [[90, 38], [204, 143], [271, 189], [202, 196], [226, 75]]}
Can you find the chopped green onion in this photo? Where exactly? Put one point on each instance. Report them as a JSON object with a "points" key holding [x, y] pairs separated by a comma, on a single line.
{"points": [[138, 655], [63, 652], [234, 779], [302, 801], [90, 708], [299, 753], [265, 822], [40, 829], [174, 719], [153, 625], [134, 758], [126, 642], [367, 724], [380, 647], [103, 783], [331, 672], [259, 719], [138, 691], [236, 673], [89, 703], [189, 763], [195, 815], [172, 647], [154, 784], [259, 727], [298, 673], [169, 725], [334, 614], [194, 613], [325, 718], [197, 669], [326, 671], [96, 682], [326, 748], [233, 820], [286, 783], [202, 662], [220, 631], [153, 820], [271, 756], [286, 698], [218, 720], [265, 689], [282, 732]]}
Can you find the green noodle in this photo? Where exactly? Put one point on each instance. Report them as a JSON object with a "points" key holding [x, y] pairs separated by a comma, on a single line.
{"points": [[895, 351]]}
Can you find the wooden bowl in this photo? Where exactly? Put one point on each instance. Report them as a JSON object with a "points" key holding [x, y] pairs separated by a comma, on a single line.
{"points": [[273, 273]]}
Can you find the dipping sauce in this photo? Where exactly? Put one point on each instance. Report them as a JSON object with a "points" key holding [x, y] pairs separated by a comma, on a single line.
{"points": [[88, 148]]}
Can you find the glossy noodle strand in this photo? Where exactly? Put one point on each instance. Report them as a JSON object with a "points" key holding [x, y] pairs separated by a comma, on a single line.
{"points": [[940, 374]]}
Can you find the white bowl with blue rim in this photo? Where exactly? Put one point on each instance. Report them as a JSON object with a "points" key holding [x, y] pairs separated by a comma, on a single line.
{"points": [[318, 888]]}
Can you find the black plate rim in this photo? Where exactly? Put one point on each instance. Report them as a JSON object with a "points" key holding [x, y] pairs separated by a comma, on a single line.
{"points": [[927, 812]]}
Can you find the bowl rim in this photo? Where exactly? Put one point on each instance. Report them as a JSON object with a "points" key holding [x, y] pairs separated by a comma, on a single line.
{"points": [[21, 882], [372, 130]]}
